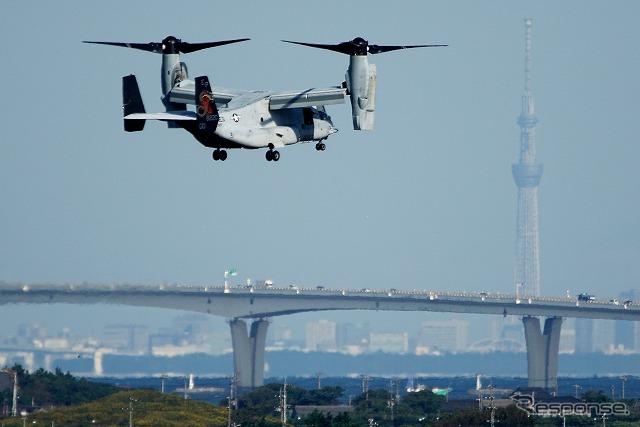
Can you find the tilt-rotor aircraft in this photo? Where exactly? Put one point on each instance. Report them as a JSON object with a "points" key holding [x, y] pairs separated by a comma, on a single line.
{"points": [[231, 118]]}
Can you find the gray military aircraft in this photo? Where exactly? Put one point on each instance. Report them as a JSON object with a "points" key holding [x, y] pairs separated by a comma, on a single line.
{"points": [[230, 118]]}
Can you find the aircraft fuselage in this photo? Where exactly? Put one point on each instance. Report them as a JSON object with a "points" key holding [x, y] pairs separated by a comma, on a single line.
{"points": [[247, 122]]}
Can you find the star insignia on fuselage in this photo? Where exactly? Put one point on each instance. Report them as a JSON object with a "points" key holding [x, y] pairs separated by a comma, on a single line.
{"points": [[235, 117]]}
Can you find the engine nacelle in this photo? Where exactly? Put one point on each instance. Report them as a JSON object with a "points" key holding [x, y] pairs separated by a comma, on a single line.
{"points": [[361, 85], [172, 72], [179, 73]]}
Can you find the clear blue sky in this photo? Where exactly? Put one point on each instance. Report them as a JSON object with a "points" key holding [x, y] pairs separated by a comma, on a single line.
{"points": [[426, 201]]}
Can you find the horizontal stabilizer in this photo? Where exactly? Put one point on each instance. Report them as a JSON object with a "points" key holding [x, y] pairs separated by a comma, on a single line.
{"points": [[168, 116]]}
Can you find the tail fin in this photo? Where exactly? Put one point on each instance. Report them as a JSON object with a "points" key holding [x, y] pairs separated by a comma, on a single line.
{"points": [[132, 103], [206, 110]]}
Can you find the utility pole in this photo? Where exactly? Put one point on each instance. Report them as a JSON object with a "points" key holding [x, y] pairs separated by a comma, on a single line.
{"points": [[613, 392], [624, 378], [14, 378], [492, 420], [283, 404], [365, 386], [14, 407], [577, 387], [131, 400], [185, 387], [318, 380], [163, 377], [397, 380], [390, 401], [284, 412], [233, 404]]}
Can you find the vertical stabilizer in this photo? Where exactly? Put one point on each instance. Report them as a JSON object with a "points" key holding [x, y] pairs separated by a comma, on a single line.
{"points": [[206, 111], [132, 103]]}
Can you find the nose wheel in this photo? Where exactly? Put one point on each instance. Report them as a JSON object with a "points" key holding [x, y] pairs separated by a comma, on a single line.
{"points": [[219, 155], [321, 146], [272, 156]]}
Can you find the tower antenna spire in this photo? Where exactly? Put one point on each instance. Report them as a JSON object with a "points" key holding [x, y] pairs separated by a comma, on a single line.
{"points": [[527, 57], [527, 174]]}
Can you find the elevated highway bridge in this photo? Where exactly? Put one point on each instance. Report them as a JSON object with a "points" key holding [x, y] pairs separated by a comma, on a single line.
{"points": [[241, 303]]}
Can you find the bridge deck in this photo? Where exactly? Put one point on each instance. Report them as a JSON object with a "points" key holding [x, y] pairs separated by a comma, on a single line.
{"points": [[260, 302]]}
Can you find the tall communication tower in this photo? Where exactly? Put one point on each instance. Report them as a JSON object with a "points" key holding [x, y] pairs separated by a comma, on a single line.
{"points": [[527, 173]]}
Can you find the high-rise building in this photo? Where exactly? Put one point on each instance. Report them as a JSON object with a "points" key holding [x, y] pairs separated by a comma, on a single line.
{"points": [[628, 333], [443, 336], [512, 330], [584, 335], [321, 336], [604, 336], [127, 338], [352, 337], [527, 174], [567, 341], [389, 342]]}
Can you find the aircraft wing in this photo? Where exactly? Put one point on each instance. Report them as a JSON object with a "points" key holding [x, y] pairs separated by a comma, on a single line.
{"points": [[184, 93], [306, 98]]}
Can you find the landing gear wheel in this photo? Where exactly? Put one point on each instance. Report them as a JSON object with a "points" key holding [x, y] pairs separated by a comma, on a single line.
{"points": [[321, 146], [272, 155], [219, 155]]}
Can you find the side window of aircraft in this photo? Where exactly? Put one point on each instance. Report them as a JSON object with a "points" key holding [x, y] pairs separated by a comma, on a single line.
{"points": [[307, 114]]}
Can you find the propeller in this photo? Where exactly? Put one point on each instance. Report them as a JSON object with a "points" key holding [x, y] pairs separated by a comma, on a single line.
{"points": [[170, 45], [360, 47]]}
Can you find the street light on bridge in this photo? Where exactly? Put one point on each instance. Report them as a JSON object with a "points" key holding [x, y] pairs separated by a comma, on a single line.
{"points": [[229, 273]]}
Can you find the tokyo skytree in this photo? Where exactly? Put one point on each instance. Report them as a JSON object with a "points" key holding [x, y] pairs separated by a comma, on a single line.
{"points": [[527, 174]]}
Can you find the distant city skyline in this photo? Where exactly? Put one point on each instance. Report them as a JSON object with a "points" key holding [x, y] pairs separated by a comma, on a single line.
{"points": [[195, 334]]}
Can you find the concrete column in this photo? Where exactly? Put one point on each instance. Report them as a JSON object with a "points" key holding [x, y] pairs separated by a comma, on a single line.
{"points": [[248, 352], [542, 351], [258, 339]]}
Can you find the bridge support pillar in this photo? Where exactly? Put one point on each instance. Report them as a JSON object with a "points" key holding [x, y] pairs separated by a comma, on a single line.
{"points": [[542, 351], [248, 352]]}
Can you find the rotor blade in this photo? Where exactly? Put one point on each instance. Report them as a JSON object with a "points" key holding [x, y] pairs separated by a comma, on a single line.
{"points": [[170, 45], [374, 48], [360, 46], [185, 47], [148, 47], [341, 48]]}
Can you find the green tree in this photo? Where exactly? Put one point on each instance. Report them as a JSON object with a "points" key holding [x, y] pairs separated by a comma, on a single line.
{"points": [[374, 404], [595, 396], [264, 401], [45, 388], [148, 408], [317, 419], [321, 396]]}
